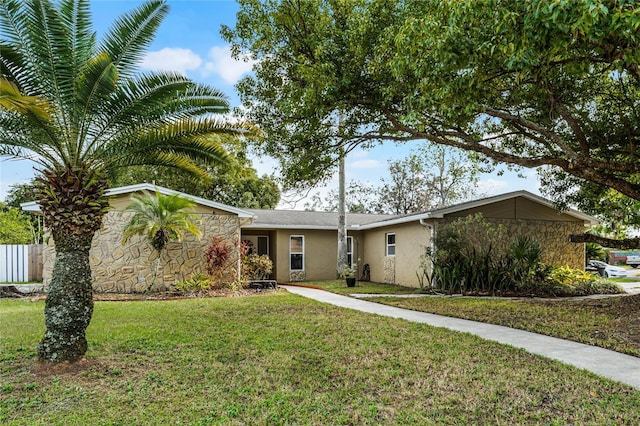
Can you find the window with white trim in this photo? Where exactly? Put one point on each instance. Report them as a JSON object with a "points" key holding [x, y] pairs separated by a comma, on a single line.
{"points": [[391, 243], [296, 253]]}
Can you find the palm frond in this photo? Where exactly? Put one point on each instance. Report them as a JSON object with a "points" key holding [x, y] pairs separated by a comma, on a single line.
{"points": [[76, 16], [49, 41], [95, 85], [155, 212], [132, 33], [32, 106]]}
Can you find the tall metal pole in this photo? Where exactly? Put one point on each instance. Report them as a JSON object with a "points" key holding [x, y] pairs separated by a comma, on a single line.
{"points": [[342, 217]]}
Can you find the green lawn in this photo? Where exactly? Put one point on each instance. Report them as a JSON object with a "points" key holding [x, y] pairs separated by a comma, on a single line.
{"points": [[611, 323], [281, 359]]}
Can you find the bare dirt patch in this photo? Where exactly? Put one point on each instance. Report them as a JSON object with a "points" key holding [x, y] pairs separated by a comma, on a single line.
{"points": [[48, 369], [224, 292]]}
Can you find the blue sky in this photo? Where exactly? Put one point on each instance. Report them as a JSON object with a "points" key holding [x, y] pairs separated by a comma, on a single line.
{"points": [[189, 41]]}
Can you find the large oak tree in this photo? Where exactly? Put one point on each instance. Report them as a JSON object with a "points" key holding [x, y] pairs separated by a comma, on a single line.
{"points": [[534, 83]]}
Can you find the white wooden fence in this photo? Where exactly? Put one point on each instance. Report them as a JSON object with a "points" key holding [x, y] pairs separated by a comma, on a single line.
{"points": [[20, 263]]}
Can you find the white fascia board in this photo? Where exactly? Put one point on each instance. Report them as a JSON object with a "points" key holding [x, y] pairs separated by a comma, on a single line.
{"points": [[30, 206], [398, 221]]}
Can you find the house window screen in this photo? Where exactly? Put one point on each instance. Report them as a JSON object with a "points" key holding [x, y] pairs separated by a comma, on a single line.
{"points": [[391, 244], [296, 252], [350, 251]]}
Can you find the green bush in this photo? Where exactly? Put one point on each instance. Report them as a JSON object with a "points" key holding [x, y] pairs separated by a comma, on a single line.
{"points": [[477, 257], [256, 267], [565, 281], [197, 283]]}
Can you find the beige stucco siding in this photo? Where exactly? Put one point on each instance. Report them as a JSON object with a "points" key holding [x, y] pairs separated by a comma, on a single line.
{"points": [[320, 253], [411, 241]]}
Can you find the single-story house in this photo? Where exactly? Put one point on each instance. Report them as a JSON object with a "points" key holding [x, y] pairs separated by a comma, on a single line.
{"points": [[303, 244]]}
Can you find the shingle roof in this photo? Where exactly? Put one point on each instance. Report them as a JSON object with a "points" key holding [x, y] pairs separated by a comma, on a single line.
{"points": [[296, 219]]}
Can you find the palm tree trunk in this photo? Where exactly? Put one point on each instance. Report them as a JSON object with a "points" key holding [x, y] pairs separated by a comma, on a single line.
{"points": [[73, 204], [156, 267], [69, 304]]}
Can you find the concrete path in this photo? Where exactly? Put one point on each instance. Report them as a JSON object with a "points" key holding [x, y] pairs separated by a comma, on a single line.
{"points": [[610, 364]]}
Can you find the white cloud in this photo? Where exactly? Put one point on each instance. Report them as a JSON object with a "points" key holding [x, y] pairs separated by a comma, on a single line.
{"points": [[365, 164], [492, 186], [172, 59], [222, 63]]}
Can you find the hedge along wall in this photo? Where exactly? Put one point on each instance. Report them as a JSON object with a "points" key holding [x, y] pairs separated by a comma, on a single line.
{"points": [[553, 237], [129, 268]]}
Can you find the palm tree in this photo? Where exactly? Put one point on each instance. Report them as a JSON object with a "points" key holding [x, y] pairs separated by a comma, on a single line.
{"points": [[80, 109], [161, 219]]}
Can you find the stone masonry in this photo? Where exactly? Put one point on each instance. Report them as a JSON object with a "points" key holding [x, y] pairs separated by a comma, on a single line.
{"points": [[390, 269], [129, 268], [553, 237]]}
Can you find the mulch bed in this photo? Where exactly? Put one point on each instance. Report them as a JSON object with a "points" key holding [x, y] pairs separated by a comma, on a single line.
{"points": [[223, 292]]}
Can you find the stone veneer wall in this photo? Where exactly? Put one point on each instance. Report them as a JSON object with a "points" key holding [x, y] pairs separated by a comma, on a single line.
{"points": [[129, 268], [295, 276], [390, 270], [553, 238]]}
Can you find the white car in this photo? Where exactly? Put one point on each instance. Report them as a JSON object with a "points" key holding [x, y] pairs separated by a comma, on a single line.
{"points": [[605, 270], [633, 261]]}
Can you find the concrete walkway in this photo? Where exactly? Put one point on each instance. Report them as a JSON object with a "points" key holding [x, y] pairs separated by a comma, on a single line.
{"points": [[606, 363]]}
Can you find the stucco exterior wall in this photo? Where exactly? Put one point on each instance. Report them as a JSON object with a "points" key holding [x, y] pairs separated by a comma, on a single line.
{"points": [[411, 241], [320, 253], [129, 268]]}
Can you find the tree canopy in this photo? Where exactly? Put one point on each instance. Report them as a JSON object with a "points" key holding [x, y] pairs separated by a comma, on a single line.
{"points": [[235, 182], [431, 176], [15, 226], [533, 83]]}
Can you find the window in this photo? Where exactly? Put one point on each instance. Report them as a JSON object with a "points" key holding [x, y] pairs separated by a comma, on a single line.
{"points": [[263, 245], [391, 244], [350, 251], [296, 253]]}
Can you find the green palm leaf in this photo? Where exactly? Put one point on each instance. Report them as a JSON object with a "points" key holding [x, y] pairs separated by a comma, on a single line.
{"points": [[80, 109]]}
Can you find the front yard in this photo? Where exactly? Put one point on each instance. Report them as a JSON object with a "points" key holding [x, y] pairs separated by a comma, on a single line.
{"points": [[611, 322], [282, 359]]}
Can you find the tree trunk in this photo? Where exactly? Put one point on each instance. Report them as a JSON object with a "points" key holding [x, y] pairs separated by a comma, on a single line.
{"points": [[69, 304], [73, 205]]}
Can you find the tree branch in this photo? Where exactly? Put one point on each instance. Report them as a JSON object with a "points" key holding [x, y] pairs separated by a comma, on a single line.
{"points": [[624, 244]]}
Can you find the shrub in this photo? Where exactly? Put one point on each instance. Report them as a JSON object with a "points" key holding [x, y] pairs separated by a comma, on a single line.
{"points": [[564, 281], [475, 256], [256, 267], [217, 258], [197, 283]]}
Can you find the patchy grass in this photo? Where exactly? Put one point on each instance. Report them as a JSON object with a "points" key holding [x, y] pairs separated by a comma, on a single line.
{"points": [[281, 359], [612, 323], [362, 287], [625, 280]]}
